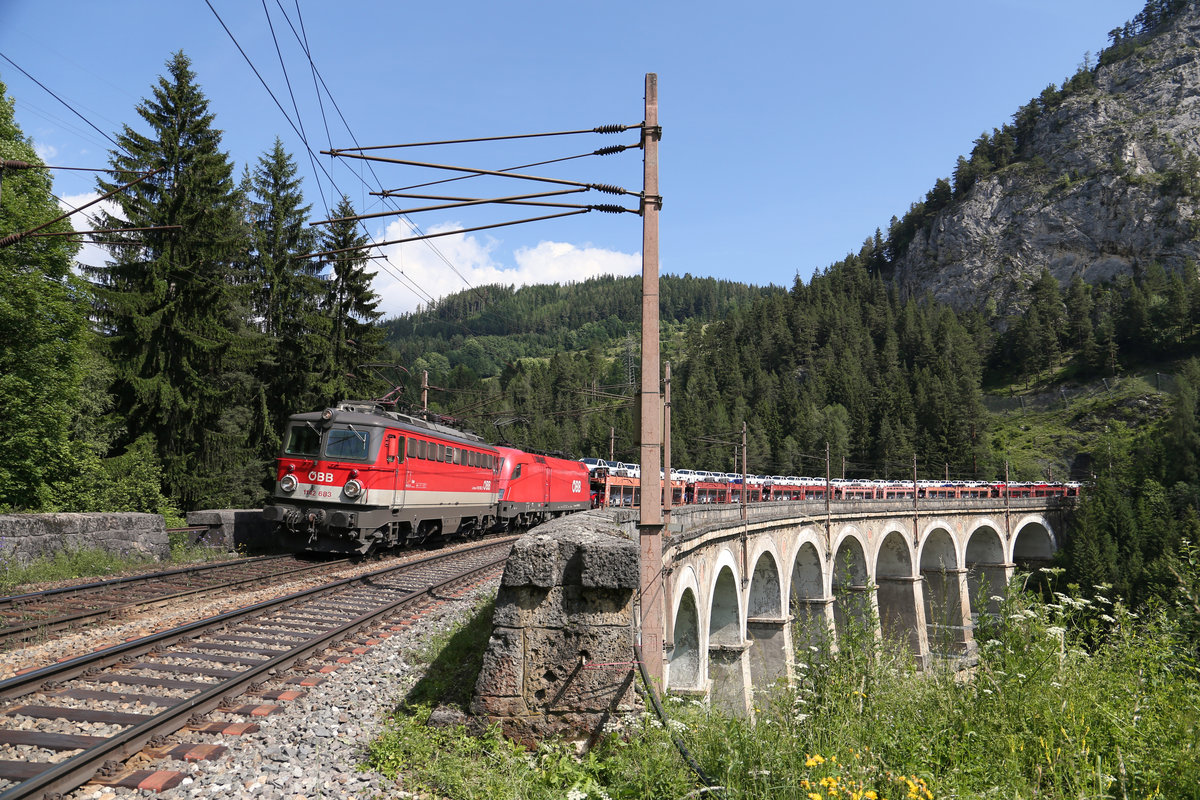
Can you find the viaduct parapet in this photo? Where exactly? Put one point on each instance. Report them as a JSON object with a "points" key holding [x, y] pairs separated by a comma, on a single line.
{"points": [[741, 596]]}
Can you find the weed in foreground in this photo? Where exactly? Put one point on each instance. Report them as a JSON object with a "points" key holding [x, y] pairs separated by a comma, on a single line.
{"points": [[1071, 698]]}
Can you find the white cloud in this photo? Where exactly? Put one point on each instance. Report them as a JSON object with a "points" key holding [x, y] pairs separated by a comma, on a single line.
{"points": [[480, 263], [45, 152], [90, 254]]}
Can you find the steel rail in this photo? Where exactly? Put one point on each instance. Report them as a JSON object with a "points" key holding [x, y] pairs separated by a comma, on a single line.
{"points": [[14, 599], [34, 628], [73, 772]]}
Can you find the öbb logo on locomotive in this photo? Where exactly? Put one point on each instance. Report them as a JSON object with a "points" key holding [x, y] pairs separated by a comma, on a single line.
{"points": [[359, 477]]}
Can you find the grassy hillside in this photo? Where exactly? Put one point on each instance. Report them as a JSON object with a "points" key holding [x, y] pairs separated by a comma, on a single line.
{"points": [[487, 328], [1064, 426]]}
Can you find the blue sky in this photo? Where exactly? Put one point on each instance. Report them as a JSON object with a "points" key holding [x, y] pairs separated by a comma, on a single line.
{"points": [[790, 130]]}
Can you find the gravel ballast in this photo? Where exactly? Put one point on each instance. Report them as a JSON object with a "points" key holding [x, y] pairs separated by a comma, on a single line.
{"points": [[312, 746]]}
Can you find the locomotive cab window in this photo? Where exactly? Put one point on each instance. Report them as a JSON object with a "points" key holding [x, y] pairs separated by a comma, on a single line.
{"points": [[303, 440], [348, 443]]}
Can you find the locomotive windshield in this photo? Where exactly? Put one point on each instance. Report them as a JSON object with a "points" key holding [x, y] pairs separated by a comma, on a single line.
{"points": [[347, 443], [303, 440]]}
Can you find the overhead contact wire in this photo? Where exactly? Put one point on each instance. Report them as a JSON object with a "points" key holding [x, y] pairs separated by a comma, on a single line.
{"points": [[317, 76], [600, 187], [283, 111], [603, 151], [64, 102], [598, 129]]}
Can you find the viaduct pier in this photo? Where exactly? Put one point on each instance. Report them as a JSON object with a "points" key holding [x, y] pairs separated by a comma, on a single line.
{"points": [[741, 595]]}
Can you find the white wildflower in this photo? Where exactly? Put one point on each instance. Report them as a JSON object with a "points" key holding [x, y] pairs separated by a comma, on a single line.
{"points": [[1107, 619], [677, 725], [576, 794]]}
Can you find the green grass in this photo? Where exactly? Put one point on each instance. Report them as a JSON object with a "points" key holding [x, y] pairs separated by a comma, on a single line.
{"points": [[1034, 440], [1071, 699], [66, 565], [453, 659]]}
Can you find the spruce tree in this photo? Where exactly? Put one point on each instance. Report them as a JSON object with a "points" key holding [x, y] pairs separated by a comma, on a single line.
{"points": [[174, 304], [350, 305], [287, 291]]}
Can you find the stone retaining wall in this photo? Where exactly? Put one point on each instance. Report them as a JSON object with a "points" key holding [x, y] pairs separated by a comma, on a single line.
{"points": [[27, 537], [560, 659]]}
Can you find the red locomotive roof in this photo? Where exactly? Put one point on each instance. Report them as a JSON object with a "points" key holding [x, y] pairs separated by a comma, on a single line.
{"points": [[369, 414]]}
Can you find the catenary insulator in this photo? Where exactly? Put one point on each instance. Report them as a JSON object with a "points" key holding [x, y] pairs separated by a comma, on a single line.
{"points": [[611, 128], [612, 149]]}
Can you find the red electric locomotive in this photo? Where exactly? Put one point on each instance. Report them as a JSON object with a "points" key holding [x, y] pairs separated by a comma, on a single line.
{"points": [[357, 477], [534, 487]]}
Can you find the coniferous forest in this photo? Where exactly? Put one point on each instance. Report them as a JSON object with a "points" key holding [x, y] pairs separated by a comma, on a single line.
{"points": [[160, 382]]}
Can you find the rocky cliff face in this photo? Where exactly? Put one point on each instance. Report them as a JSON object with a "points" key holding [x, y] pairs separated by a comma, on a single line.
{"points": [[1110, 187]]}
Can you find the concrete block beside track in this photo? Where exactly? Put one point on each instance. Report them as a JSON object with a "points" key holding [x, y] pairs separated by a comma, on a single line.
{"points": [[560, 659], [24, 538], [233, 529]]}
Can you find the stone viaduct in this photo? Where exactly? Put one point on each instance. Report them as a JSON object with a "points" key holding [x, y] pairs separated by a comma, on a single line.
{"points": [[740, 595]]}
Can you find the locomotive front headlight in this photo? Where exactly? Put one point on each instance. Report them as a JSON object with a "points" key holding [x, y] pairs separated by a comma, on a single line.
{"points": [[288, 483], [352, 488]]}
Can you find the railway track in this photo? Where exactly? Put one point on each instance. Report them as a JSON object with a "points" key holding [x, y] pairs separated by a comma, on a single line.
{"points": [[33, 615], [76, 721]]}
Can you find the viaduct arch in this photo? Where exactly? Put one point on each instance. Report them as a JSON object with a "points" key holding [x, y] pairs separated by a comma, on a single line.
{"points": [[741, 596]]}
